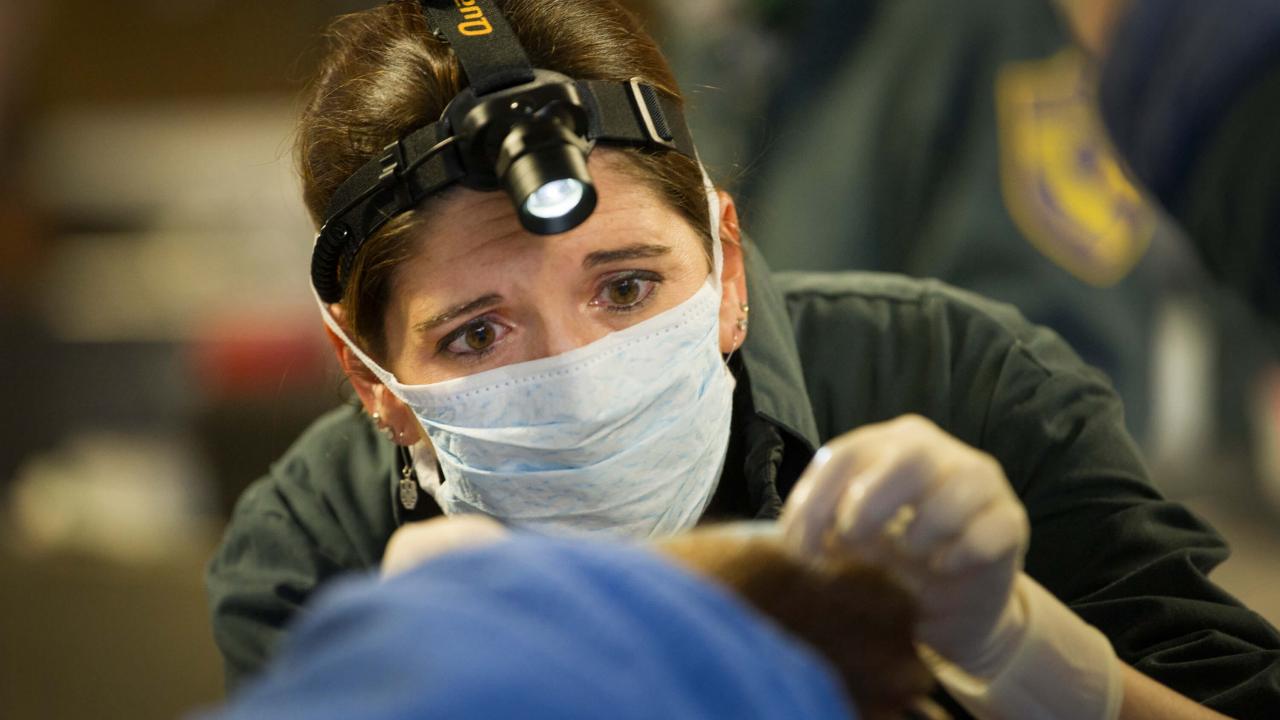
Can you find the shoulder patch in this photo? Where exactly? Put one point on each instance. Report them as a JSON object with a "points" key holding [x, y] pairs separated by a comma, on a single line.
{"points": [[1062, 181]]}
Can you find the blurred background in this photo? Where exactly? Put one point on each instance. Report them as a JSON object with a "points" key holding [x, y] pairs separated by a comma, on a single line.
{"points": [[159, 346]]}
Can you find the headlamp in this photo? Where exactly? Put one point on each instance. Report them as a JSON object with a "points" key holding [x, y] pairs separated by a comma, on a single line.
{"points": [[558, 199], [525, 131], [532, 141], [549, 186]]}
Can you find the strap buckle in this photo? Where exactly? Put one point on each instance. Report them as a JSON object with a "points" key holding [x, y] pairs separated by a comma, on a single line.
{"points": [[645, 99], [392, 162]]}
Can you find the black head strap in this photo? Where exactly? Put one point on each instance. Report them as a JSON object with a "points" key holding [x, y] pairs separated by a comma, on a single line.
{"points": [[427, 160], [633, 113], [487, 48], [422, 164]]}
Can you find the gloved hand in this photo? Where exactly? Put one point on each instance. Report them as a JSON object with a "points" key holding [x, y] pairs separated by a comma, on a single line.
{"points": [[940, 514], [418, 542]]}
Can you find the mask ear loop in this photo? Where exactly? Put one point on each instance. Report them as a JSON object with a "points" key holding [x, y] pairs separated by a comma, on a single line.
{"points": [[383, 375], [717, 258], [713, 220]]}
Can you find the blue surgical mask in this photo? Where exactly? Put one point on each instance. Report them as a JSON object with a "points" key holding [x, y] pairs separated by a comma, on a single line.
{"points": [[625, 436]]}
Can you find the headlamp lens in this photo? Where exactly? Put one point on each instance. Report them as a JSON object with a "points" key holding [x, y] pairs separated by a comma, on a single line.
{"points": [[555, 199]]}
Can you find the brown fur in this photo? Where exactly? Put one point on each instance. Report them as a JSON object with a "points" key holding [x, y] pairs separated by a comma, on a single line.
{"points": [[855, 616]]}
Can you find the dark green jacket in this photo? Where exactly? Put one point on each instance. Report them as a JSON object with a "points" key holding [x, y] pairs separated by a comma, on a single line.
{"points": [[826, 354]]}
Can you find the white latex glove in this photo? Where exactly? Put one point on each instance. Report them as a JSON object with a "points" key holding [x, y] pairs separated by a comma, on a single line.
{"points": [[939, 514], [415, 543]]}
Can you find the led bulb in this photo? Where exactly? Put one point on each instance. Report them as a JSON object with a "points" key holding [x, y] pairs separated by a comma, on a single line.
{"points": [[555, 199]]}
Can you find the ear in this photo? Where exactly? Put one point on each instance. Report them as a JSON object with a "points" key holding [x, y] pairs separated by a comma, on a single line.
{"points": [[374, 395], [733, 278]]}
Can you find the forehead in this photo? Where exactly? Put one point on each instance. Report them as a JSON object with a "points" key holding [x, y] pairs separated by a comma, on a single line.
{"points": [[481, 229]]}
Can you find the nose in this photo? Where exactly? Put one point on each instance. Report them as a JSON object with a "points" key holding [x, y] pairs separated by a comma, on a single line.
{"points": [[561, 319], [565, 331]]}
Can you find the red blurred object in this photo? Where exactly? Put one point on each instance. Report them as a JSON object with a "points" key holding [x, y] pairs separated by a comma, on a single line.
{"points": [[241, 356]]}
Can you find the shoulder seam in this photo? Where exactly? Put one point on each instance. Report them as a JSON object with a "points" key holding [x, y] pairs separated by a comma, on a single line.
{"points": [[930, 289]]}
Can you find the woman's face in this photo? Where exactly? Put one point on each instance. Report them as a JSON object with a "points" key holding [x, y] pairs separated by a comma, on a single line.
{"points": [[482, 292]]}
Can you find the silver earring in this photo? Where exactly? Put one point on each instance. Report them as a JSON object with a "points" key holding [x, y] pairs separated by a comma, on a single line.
{"points": [[382, 427], [740, 334], [740, 330]]}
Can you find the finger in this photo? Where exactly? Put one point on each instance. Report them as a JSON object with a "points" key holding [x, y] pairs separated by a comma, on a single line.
{"points": [[414, 544], [993, 535], [876, 495], [811, 508], [945, 512]]}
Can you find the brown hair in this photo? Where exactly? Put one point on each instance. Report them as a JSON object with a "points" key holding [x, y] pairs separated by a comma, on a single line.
{"points": [[385, 75], [855, 616]]}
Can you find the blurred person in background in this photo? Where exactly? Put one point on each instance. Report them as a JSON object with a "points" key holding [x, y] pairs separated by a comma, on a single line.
{"points": [[953, 140], [1191, 93], [973, 126], [601, 381]]}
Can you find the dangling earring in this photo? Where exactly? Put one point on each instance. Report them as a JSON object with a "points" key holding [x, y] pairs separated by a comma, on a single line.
{"points": [[408, 479]]}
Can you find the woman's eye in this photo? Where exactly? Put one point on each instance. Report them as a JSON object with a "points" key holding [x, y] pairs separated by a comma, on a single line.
{"points": [[475, 338], [625, 293]]}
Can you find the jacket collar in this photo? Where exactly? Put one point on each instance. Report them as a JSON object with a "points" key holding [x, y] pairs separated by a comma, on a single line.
{"points": [[771, 358]]}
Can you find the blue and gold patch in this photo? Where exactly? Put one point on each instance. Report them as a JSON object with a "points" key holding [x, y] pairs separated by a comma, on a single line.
{"points": [[1063, 183]]}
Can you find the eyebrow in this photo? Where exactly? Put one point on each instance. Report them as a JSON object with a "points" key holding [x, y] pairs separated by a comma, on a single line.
{"points": [[481, 303], [630, 252], [595, 259]]}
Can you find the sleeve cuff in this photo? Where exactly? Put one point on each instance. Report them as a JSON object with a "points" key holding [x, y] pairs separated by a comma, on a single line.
{"points": [[1062, 668]]}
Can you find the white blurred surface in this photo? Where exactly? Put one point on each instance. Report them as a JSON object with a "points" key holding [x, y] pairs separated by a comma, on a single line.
{"points": [[197, 211]]}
